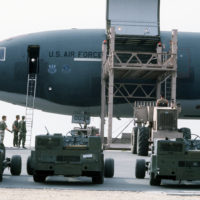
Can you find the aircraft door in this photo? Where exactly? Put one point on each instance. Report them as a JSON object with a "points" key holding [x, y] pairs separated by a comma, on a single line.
{"points": [[33, 59], [134, 17]]}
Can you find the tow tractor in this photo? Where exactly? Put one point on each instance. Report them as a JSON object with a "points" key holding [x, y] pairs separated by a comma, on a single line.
{"points": [[155, 122], [79, 153], [175, 159], [14, 163]]}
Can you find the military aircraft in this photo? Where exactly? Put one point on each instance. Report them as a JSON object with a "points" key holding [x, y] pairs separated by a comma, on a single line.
{"points": [[69, 73]]}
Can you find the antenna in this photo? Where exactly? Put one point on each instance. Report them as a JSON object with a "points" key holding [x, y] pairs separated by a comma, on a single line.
{"points": [[47, 131]]}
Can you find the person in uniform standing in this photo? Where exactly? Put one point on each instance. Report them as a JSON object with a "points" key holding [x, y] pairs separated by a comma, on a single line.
{"points": [[22, 132], [15, 128], [3, 127], [162, 102]]}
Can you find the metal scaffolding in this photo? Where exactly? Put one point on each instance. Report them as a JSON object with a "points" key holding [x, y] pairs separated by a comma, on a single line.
{"points": [[119, 66]]}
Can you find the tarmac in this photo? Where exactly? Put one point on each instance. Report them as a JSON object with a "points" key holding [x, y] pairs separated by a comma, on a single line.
{"points": [[123, 184]]}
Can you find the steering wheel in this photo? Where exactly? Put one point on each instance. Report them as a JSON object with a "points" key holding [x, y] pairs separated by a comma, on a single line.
{"points": [[193, 144], [197, 136]]}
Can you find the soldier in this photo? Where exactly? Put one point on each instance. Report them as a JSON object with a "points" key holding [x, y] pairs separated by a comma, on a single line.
{"points": [[162, 102], [15, 128], [22, 132], [3, 127]]}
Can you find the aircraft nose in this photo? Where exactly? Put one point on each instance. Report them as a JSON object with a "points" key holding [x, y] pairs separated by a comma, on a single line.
{"points": [[13, 78], [8, 59]]}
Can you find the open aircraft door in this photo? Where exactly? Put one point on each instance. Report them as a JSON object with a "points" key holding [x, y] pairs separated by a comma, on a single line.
{"points": [[33, 58], [134, 17]]}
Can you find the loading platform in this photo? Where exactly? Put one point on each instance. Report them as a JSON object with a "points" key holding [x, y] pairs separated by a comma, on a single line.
{"points": [[135, 65]]}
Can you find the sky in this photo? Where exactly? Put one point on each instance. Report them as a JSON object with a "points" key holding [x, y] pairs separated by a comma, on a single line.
{"points": [[26, 16]]}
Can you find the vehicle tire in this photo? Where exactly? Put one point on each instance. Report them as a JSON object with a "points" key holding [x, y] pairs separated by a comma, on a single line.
{"points": [[2, 148], [143, 141], [98, 179], [154, 181], [134, 141], [1, 170], [186, 133], [140, 168], [40, 178], [1, 165], [16, 165], [29, 169], [109, 168]]}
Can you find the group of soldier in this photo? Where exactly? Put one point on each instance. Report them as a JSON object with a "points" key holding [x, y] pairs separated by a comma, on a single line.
{"points": [[18, 130], [19, 127]]}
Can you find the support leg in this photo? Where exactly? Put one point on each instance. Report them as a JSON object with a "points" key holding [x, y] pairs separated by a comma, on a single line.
{"points": [[103, 89], [173, 87], [158, 89], [103, 103], [110, 105]]}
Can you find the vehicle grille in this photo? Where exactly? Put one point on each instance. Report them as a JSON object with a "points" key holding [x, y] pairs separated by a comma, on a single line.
{"points": [[167, 119], [68, 159], [189, 164]]}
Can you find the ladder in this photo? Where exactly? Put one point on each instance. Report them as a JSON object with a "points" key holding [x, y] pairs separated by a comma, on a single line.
{"points": [[30, 104]]}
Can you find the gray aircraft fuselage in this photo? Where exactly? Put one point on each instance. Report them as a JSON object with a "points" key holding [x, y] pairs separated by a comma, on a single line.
{"points": [[69, 77]]}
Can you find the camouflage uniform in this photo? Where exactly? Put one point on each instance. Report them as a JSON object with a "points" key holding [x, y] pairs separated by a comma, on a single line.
{"points": [[22, 132], [3, 126], [15, 128], [162, 102]]}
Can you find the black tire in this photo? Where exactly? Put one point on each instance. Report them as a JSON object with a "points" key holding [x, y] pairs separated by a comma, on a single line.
{"points": [[98, 179], [2, 148], [16, 165], [109, 168], [143, 141], [29, 169], [40, 178], [140, 168], [134, 141], [186, 133], [154, 181], [1, 165]]}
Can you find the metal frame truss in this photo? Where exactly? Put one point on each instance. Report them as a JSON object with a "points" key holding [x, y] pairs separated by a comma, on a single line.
{"points": [[121, 90], [120, 66]]}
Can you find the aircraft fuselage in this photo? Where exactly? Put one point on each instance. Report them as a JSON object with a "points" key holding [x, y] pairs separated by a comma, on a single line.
{"points": [[69, 76]]}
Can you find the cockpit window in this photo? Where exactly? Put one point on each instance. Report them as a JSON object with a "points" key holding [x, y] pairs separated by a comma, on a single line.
{"points": [[2, 53]]}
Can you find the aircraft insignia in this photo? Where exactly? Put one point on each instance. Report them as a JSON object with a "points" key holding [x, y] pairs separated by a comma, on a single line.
{"points": [[52, 69]]}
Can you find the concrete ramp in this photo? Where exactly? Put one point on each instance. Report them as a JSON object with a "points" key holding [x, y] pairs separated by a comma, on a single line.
{"points": [[134, 17]]}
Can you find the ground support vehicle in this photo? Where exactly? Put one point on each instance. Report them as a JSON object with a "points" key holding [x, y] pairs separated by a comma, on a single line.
{"points": [[175, 159], [14, 163], [155, 122], [77, 154]]}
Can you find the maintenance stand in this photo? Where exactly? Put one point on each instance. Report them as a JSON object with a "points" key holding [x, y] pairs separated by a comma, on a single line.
{"points": [[134, 63]]}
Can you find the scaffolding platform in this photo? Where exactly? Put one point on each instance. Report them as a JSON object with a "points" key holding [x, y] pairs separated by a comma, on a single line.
{"points": [[134, 63]]}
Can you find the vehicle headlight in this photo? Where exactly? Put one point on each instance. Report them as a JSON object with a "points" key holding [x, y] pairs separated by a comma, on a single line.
{"points": [[87, 156]]}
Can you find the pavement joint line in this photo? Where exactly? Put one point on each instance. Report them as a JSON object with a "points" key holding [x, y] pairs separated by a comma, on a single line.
{"points": [[184, 194]]}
